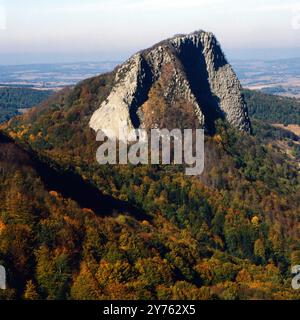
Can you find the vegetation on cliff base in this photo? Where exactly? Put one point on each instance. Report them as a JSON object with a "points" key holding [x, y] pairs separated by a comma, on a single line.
{"points": [[232, 233]]}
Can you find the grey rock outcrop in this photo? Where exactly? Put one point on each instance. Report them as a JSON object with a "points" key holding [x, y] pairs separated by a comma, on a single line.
{"points": [[194, 70]]}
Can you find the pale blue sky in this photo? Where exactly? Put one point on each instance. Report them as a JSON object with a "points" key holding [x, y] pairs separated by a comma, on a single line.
{"points": [[114, 29]]}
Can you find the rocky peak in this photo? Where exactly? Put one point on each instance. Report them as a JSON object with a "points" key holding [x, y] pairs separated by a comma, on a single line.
{"points": [[182, 81]]}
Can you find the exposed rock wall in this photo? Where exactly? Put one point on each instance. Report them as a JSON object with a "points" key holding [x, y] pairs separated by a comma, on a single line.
{"points": [[198, 73]]}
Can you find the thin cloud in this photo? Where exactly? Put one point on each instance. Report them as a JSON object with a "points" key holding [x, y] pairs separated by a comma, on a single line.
{"points": [[2, 17], [277, 8], [173, 3], [90, 7], [106, 5]]}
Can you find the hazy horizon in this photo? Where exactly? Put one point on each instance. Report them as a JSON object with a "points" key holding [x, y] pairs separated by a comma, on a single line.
{"points": [[232, 55], [112, 30]]}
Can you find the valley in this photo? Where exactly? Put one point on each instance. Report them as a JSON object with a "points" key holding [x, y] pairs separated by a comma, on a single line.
{"points": [[279, 77], [52, 77]]}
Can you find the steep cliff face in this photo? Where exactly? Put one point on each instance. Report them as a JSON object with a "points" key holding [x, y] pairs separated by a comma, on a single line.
{"points": [[184, 74]]}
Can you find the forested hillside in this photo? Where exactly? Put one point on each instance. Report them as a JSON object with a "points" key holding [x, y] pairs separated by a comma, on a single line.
{"points": [[272, 108], [232, 233], [13, 99], [265, 111]]}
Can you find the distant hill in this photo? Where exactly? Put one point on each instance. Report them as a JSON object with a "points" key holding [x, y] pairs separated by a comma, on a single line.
{"points": [[271, 108], [14, 99]]}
